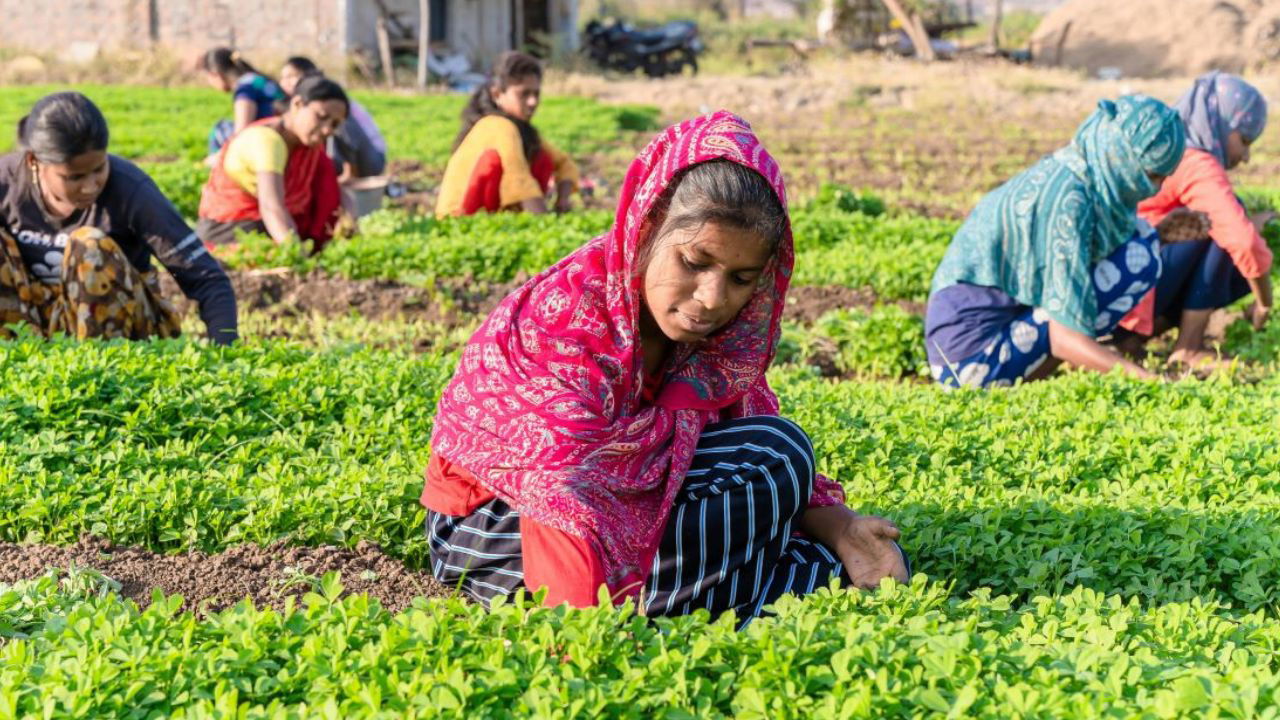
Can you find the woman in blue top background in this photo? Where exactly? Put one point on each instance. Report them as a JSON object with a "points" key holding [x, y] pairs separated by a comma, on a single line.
{"points": [[254, 95]]}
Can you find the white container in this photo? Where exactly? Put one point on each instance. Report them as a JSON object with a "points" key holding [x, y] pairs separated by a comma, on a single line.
{"points": [[364, 195]]}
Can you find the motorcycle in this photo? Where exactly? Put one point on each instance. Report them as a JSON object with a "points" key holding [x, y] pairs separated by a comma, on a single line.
{"points": [[667, 50]]}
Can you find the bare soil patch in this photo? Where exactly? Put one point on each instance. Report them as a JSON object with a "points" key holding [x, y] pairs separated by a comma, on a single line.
{"points": [[450, 302], [807, 303], [210, 583]]}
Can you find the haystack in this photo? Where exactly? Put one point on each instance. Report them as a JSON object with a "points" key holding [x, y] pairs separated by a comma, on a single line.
{"points": [[1161, 38]]}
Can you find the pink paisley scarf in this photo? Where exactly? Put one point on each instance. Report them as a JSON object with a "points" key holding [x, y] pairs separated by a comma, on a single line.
{"points": [[545, 407]]}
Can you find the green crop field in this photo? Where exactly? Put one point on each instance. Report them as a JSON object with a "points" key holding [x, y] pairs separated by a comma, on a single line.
{"points": [[1088, 546]]}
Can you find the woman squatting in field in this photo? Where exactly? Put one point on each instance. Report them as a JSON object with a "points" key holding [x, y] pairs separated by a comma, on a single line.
{"points": [[1053, 259], [275, 177], [500, 161], [610, 423], [254, 95], [1224, 115], [78, 230]]}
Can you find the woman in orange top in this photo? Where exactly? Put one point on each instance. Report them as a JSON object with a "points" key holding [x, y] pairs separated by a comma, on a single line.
{"points": [[275, 177], [1224, 115], [500, 161]]}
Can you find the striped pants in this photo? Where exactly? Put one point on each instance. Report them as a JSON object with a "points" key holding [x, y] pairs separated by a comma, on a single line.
{"points": [[728, 544]]}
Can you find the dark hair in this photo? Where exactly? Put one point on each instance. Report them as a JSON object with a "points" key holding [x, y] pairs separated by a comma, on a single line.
{"points": [[61, 126], [318, 88], [225, 61], [303, 65], [510, 68], [722, 192]]}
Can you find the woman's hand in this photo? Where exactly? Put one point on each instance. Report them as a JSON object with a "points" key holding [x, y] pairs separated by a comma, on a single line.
{"points": [[1183, 225], [1260, 310], [864, 543], [869, 551], [564, 196]]}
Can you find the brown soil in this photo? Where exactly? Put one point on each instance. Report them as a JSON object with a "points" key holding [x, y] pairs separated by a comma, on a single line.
{"points": [[210, 583], [807, 303], [451, 301]]}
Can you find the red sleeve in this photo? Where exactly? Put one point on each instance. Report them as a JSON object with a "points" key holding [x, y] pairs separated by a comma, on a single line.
{"points": [[1202, 184], [566, 565], [826, 492]]}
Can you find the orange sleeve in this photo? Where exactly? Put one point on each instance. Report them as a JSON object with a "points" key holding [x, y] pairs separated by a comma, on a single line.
{"points": [[567, 566], [1203, 185]]}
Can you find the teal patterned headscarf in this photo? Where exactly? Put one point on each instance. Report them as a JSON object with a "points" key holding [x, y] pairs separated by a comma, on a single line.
{"points": [[1038, 236]]}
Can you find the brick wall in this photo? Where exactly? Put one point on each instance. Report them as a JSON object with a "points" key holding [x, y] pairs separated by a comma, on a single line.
{"points": [[270, 27]]}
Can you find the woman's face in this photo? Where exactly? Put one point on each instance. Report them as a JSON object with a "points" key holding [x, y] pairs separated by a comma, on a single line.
{"points": [[289, 78], [73, 185], [699, 279], [1237, 149], [316, 121], [520, 99]]}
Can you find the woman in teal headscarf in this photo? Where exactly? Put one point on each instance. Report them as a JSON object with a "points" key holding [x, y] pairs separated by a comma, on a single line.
{"points": [[1052, 259]]}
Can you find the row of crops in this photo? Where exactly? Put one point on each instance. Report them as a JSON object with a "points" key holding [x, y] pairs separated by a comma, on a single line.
{"points": [[1089, 546], [1087, 541]]}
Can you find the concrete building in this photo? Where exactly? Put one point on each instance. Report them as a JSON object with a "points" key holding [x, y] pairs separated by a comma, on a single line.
{"points": [[324, 28]]}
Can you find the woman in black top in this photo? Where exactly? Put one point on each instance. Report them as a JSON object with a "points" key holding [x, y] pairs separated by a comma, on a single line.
{"points": [[78, 230]]}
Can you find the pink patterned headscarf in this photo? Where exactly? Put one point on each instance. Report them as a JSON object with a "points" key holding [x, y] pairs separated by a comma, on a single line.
{"points": [[545, 407]]}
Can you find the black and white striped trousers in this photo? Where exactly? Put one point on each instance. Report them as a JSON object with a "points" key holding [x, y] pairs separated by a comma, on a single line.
{"points": [[728, 544]]}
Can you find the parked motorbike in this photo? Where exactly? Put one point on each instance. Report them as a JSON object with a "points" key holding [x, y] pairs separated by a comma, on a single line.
{"points": [[667, 50]]}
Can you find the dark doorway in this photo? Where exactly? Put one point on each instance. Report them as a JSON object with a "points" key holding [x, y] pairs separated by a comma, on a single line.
{"points": [[537, 26]]}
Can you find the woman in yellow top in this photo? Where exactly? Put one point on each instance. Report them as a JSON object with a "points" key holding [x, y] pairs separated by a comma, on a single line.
{"points": [[499, 161], [275, 177]]}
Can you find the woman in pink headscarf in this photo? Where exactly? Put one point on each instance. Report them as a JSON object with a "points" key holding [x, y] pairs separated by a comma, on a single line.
{"points": [[610, 424]]}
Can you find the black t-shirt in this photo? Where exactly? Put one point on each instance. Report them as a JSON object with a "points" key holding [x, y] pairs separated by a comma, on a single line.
{"points": [[134, 213]]}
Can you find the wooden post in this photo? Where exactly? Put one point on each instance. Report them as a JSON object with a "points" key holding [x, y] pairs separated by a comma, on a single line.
{"points": [[384, 52], [914, 27], [424, 39], [1062, 40], [996, 18]]}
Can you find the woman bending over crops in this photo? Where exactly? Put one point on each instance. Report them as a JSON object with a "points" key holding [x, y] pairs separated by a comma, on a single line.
{"points": [[274, 175], [1224, 115], [1054, 258], [78, 230], [610, 423], [500, 161], [254, 95], [358, 149]]}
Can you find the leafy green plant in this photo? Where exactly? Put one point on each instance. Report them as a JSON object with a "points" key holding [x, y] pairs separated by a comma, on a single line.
{"points": [[887, 342], [834, 196]]}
